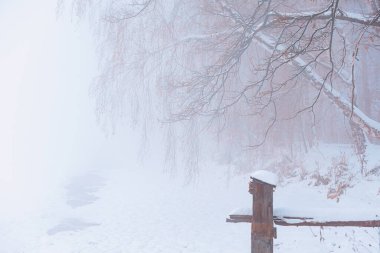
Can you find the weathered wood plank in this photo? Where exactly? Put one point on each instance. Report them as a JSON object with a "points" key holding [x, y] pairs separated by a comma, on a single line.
{"points": [[262, 231], [239, 218], [364, 223], [306, 221]]}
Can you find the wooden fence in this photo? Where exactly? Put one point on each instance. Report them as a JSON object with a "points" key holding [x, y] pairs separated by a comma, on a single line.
{"points": [[262, 218]]}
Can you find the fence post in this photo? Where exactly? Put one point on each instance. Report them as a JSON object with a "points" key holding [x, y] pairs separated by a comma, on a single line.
{"points": [[262, 231]]}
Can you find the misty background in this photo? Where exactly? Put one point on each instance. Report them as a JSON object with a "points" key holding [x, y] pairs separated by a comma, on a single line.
{"points": [[90, 163], [48, 126]]}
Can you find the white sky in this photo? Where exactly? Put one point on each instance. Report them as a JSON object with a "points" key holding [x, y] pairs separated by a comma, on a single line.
{"points": [[46, 66], [48, 130]]}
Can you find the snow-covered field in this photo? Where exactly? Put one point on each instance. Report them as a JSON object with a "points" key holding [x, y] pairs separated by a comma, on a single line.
{"points": [[129, 211], [143, 210]]}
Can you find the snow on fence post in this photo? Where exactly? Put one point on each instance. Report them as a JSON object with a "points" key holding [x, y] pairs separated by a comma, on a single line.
{"points": [[262, 217], [261, 187]]}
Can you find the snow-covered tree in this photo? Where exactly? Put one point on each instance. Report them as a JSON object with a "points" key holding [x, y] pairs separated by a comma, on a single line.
{"points": [[274, 73]]}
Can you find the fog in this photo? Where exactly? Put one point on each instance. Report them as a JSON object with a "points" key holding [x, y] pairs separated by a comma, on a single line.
{"points": [[48, 125], [69, 183]]}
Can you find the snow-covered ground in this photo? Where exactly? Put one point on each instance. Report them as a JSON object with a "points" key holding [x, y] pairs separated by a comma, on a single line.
{"points": [[121, 210], [143, 210]]}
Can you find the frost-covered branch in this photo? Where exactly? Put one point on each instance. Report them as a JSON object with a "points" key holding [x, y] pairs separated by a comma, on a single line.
{"points": [[370, 126], [206, 61]]}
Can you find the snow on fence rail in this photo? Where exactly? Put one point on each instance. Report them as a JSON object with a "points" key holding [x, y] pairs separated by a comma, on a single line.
{"points": [[314, 217], [261, 186]]}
